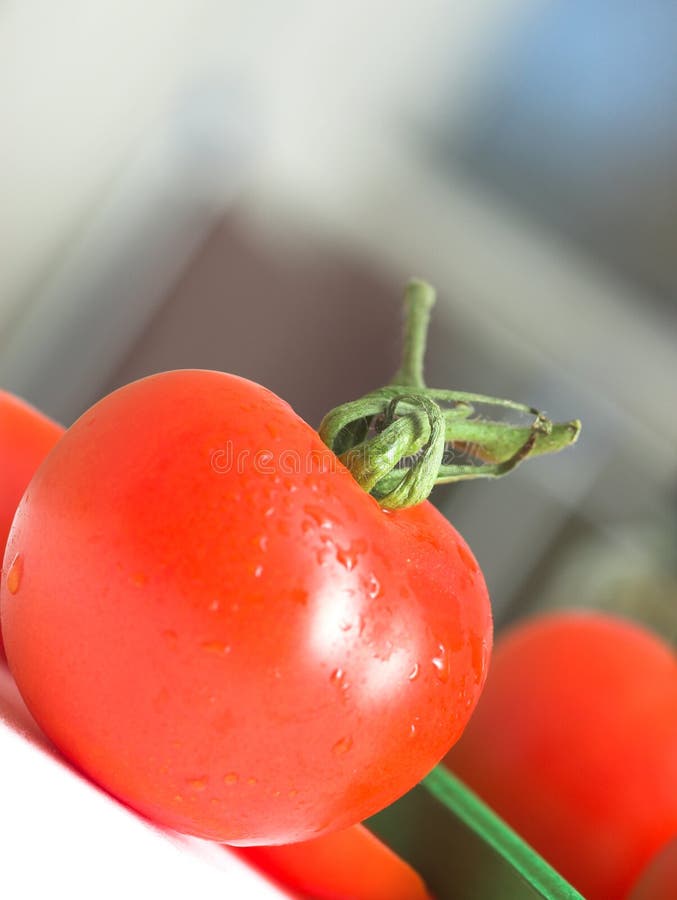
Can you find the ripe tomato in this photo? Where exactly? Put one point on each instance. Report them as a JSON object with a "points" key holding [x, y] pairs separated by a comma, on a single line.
{"points": [[26, 436], [352, 864], [209, 616], [659, 880], [574, 743]]}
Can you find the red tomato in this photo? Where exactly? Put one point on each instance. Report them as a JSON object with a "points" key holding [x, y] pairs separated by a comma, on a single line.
{"points": [[209, 616], [659, 880], [574, 743], [352, 864], [26, 437]]}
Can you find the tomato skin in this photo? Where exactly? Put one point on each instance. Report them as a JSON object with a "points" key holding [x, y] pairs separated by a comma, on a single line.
{"points": [[247, 653], [659, 880], [574, 743], [352, 864], [26, 437]]}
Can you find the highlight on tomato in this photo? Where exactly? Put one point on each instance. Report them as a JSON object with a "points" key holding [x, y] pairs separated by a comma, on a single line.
{"points": [[26, 437], [246, 630], [574, 743]]}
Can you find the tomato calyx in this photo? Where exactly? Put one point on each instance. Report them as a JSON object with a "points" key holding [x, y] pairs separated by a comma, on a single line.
{"points": [[400, 440]]}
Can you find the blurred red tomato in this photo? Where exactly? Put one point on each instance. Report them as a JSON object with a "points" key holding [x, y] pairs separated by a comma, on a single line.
{"points": [[352, 864], [574, 743], [26, 437], [659, 880]]}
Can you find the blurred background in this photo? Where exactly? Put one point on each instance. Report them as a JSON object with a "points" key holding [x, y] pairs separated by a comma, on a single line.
{"points": [[247, 187]]}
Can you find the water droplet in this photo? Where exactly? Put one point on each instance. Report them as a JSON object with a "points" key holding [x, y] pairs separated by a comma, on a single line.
{"points": [[15, 573], [231, 778], [342, 746], [263, 542], [412, 730], [413, 675], [346, 558], [337, 677], [319, 516], [373, 587], [349, 557], [214, 606], [441, 663], [197, 784], [258, 571], [215, 647], [345, 625], [269, 512]]}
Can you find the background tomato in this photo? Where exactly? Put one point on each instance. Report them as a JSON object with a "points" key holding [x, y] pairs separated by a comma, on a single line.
{"points": [[659, 880], [352, 864], [574, 743], [230, 637], [26, 436]]}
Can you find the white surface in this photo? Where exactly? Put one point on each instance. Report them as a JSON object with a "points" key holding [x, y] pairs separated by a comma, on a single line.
{"points": [[63, 837]]}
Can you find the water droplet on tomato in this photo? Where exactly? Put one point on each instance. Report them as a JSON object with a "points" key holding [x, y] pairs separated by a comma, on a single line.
{"points": [[342, 746], [258, 571], [319, 516], [337, 677], [231, 778], [374, 587], [263, 542], [15, 574], [441, 663], [214, 606], [412, 730], [413, 675], [197, 784], [269, 512]]}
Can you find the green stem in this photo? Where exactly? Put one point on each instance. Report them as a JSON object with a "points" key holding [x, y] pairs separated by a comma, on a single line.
{"points": [[419, 299], [402, 439]]}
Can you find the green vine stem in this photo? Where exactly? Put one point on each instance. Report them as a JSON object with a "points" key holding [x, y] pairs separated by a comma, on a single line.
{"points": [[401, 440]]}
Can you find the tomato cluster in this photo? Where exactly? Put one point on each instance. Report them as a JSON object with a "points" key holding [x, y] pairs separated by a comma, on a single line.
{"points": [[574, 743]]}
